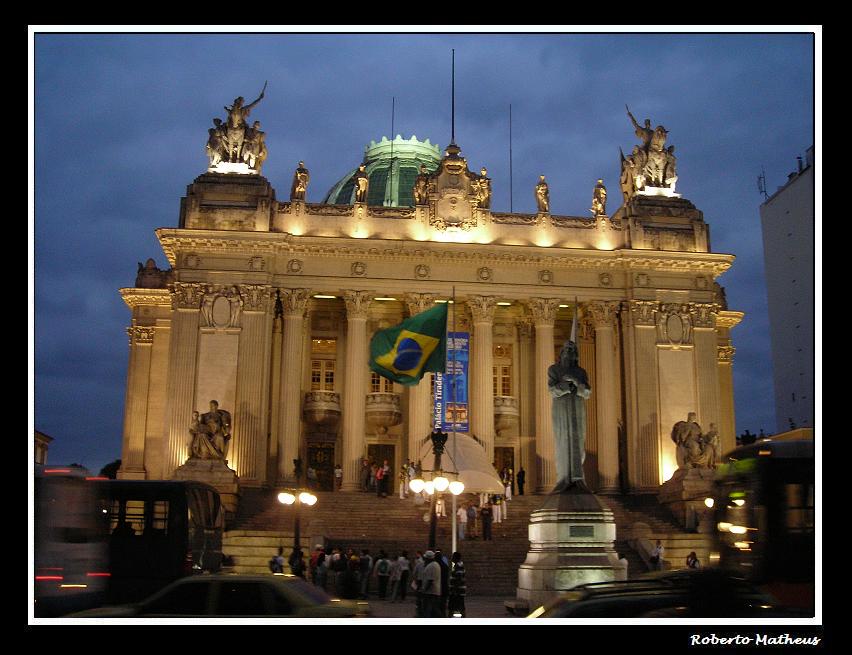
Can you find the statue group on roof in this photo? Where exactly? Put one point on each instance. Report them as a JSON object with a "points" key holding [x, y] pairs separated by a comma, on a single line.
{"points": [[235, 142], [650, 164]]}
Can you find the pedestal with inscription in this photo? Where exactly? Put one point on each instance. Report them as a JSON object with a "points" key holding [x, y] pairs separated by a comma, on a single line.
{"points": [[571, 543]]}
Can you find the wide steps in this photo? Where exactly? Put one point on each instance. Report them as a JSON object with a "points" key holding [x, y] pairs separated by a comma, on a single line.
{"points": [[361, 520]]}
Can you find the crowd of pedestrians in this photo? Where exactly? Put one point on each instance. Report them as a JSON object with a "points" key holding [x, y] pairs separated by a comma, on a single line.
{"points": [[436, 584]]}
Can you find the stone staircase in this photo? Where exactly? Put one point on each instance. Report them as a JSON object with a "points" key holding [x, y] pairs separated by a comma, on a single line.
{"points": [[361, 520], [644, 509]]}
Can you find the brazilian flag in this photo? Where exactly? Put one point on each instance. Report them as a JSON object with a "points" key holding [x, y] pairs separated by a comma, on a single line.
{"points": [[404, 352]]}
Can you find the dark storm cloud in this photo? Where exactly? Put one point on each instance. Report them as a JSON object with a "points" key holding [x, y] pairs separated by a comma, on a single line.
{"points": [[121, 121]]}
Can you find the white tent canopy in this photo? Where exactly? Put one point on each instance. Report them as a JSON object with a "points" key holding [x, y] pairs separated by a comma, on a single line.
{"points": [[467, 457]]}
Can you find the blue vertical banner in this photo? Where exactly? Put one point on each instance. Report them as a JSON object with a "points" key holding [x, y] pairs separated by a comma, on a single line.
{"points": [[451, 408]]}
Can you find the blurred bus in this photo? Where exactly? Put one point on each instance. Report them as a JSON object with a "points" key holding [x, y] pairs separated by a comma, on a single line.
{"points": [[103, 541], [160, 531], [764, 513], [71, 549]]}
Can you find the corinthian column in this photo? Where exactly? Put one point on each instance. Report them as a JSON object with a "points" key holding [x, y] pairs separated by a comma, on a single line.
{"points": [[136, 403], [183, 346], [482, 385], [604, 314], [354, 392], [544, 316], [419, 412], [525, 394], [644, 447], [294, 302], [249, 439]]}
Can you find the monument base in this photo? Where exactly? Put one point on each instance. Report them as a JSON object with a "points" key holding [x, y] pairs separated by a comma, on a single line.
{"points": [[684, 494], [571, 543], [217, 474]]}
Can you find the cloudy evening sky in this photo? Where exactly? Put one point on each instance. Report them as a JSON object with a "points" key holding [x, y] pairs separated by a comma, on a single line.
{"points": [[120, 124]]}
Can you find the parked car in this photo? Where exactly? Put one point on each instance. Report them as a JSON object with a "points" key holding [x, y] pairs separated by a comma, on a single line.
{"points": [[681, 593], [230, 595]]}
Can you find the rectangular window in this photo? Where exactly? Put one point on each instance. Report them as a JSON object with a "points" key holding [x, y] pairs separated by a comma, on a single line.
{"points": [[502, 380], [322, 375], [160, 518], [799, 507], [133, 515], [378, 384]]}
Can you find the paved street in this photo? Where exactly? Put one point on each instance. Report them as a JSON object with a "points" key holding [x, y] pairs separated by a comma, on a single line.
{"points": [[478, 607]]}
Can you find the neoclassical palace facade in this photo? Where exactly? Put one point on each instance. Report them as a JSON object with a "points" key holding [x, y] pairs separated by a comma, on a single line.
{"points": [[270, 305]]}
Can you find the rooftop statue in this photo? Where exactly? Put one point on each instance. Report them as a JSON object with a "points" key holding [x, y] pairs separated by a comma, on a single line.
{"points": [[651, 164], [599, 199], [234, 142], [483, 189], [542, 195], [421, 186], [362, 183], [569, 387], [254, 147], [300, 182]]}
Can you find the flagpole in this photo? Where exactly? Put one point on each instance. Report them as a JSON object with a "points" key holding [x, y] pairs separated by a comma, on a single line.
{"points": [[455, 410]]}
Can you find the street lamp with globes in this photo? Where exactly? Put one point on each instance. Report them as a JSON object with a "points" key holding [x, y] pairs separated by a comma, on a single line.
{"points": [[297, 497], [437, 483]]}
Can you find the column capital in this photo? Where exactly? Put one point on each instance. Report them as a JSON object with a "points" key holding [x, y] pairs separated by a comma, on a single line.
{"points": [[256, 297], [525, 327], [139, 334], [482, 308], [704, 314], [726, 354], [357, 303], [544, 311], [643, 312], [294, 301], [419, 302], [187, 295], [603, 313]]}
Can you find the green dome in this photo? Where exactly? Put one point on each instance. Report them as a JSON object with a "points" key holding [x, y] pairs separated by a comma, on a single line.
{"points": [[406, 155]]}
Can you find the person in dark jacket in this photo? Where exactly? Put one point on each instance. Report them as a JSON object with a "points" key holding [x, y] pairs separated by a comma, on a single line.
{"points": [[486, 517], [521, 477], [445, 580], [458, 588], [297, 563]]}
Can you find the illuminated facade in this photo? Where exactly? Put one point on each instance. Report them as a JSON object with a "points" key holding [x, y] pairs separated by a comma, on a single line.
{"points": [[270, 306]]}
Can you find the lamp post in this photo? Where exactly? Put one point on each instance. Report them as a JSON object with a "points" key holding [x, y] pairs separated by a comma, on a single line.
{"points": [[297, 497], [437, 483]]}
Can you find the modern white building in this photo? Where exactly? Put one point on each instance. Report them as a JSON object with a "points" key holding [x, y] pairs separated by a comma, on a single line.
{"points": [[787, 218]]}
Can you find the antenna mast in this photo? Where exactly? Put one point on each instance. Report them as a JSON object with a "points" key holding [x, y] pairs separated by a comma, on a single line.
{"points": [[761, 184], [510, 157], [389, 189], [453, 102]]}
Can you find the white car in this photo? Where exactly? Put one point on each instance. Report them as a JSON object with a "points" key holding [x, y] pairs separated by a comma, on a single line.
{"points": [[229, 595]]}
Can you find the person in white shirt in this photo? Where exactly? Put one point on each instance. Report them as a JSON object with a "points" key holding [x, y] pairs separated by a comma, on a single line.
{"points": [[431, 586], [462, 520]]}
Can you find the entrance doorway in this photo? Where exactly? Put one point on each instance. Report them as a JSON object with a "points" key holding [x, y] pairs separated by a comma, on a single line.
{"points": [[321, 459], [379, 452], [504, 457]]}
